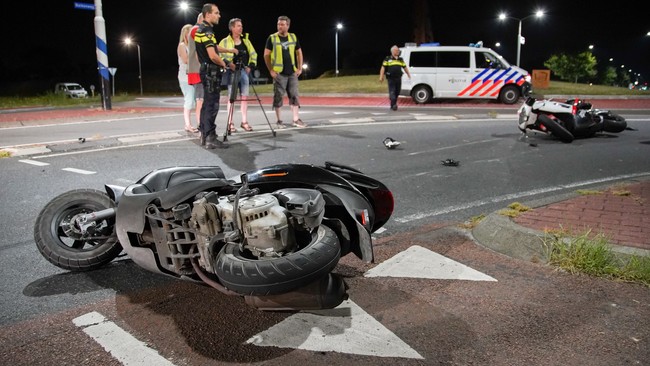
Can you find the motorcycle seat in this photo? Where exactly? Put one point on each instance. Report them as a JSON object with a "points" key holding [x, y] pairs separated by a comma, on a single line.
{"points": [[161, 179]]}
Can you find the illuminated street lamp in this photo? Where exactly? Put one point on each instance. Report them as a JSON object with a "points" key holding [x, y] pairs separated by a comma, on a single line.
{"points": [[184, 6], [520, 40], [339, 26], [128, 41], [305, 67]]}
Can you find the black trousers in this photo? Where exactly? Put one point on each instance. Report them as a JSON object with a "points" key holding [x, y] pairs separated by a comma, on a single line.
{"points": [[394, 86], [210, 107]]}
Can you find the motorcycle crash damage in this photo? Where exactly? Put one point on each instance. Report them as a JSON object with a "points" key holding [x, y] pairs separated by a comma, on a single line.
{"points": [[567, 121], [274, 238]]}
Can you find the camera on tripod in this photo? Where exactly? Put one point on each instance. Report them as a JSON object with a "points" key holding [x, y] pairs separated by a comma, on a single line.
{"points": [[238, 59]]}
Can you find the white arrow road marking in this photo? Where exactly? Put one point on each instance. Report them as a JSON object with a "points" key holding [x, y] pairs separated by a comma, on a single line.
{"points": [[79, 171], [344, 329], [120, 344], [419, 262]]}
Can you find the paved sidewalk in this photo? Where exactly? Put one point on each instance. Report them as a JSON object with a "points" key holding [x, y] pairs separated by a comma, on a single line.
{"points": [[621, 212]]}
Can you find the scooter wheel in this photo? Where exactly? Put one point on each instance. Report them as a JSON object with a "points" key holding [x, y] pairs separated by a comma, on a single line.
{"points": [[241, 273], [60, 240]]}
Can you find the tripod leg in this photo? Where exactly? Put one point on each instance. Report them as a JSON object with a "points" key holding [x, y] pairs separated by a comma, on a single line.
{"points": [[231, 102], [262, 107]]}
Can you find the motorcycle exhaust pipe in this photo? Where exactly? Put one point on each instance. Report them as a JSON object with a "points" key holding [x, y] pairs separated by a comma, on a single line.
{"points": [[325, 293]]}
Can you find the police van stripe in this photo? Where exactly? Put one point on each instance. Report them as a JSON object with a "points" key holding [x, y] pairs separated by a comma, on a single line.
{"points": [[487, 82]]}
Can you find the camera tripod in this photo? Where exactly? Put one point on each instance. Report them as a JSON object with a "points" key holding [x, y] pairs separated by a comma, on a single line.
{"points": [[234, 92]]}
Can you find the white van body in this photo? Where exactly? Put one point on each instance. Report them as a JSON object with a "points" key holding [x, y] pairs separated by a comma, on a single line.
{"points": [[71, 90], [461, 72]]}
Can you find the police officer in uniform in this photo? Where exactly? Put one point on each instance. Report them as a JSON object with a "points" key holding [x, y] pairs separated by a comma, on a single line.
{"points": [[392, 68], [212, 66]]}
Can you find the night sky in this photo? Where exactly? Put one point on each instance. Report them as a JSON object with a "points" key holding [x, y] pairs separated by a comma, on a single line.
{"points": [[53, 40]]}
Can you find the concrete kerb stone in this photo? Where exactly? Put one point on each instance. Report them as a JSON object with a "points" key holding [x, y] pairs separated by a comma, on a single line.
{"points": [[499, 233]]}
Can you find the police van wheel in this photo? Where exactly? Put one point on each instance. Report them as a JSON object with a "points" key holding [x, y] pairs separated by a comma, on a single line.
{"points": [[509, 95], [421, 94]]}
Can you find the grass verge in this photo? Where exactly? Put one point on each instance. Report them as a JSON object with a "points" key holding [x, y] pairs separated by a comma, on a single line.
{"points": [[514, 209], [592, 255]]}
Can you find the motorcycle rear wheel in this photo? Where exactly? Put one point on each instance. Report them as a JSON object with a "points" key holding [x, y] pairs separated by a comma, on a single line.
{"points": [[556, 129], [244, 275], [61, 242]]}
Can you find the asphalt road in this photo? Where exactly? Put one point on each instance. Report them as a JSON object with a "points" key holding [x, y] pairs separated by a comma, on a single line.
{"points": [[493, 310]]}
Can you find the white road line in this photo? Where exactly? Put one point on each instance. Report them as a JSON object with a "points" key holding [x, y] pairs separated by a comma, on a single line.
{"points": [[435, 117], [508, 197], [97, 121], [110, 148], [79, 171], [33, 162], [120, 344], [352, 120], [419, 262], [344, 329]]}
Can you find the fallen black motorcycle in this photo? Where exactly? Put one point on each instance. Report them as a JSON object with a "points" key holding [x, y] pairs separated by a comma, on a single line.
{"points": [[567, 121], [273, 238]]}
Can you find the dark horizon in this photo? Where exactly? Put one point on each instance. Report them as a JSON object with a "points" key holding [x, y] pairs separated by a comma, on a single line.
{"points": [[67, 49]]}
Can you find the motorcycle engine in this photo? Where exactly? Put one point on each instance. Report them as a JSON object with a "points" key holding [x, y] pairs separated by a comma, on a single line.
{"points": [[267, 221]]}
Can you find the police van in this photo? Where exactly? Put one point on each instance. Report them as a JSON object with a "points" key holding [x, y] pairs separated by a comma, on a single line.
{"points": [[471, 72]]}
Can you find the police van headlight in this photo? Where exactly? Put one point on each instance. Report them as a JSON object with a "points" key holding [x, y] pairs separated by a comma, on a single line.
{"points": [[527, 78]]}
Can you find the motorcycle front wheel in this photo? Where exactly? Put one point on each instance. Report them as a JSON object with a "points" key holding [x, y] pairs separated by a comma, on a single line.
{"points": [[555, 128], [63, 243], [240, 272], [612, 122]]}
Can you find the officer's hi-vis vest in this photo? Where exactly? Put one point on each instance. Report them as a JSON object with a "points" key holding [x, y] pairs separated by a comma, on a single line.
{"points": [[276, 52]]}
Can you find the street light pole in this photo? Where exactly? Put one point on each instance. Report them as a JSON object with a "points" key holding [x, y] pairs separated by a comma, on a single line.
{"points": [[503, 16], [140, 68], [336, 47], [519, 42], [128, 41]]}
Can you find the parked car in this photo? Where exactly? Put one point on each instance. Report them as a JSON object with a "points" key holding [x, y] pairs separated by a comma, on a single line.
{"points": [[71, 90]]}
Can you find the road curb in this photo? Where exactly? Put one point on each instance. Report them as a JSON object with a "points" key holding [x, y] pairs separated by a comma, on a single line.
{"points": [[500, 234]]}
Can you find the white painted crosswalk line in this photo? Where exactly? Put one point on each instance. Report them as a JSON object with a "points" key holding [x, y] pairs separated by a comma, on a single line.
{"points": [[120, 344], [344, 329], [419, 262]]}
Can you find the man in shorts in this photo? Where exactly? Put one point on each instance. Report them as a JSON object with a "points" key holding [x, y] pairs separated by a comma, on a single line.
{"points": [[283, 58]]}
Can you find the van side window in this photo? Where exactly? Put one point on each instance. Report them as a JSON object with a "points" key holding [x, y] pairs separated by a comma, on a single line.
{"points": [[458, 59], [423, 59]]}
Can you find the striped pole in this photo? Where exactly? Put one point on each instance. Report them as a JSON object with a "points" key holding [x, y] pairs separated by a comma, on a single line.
{"points": [[102, 55]]}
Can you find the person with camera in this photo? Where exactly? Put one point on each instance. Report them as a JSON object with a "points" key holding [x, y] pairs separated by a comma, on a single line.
{"points": [[211, 70], [245, 61]]}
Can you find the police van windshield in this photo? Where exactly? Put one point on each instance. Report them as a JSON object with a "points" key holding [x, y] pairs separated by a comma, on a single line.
{"points": [[487, 60]]}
